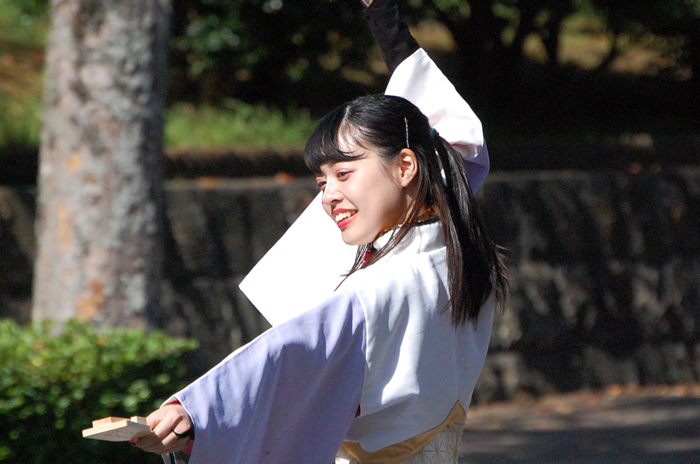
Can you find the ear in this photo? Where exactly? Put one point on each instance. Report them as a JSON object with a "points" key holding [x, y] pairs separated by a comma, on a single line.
{"points": [[408, 167]]}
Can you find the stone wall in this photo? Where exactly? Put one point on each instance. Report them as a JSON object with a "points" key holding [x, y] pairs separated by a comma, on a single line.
{"points": [[605, 271], [605, 279]]}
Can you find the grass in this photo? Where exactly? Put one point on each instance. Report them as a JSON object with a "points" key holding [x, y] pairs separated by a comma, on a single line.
{"points": [[20, 121], [20, 29], [187, 127], [22, 38], [236, 124]]}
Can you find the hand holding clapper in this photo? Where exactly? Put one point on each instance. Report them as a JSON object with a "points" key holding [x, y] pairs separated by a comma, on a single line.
{"points": [[118, 429]]}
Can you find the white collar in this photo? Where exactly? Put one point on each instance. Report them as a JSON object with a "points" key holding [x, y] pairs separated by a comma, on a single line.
{"points": [[423, 238]]}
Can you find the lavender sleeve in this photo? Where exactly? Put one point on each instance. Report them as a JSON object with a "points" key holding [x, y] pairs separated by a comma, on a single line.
{"points": [[288, 396]]}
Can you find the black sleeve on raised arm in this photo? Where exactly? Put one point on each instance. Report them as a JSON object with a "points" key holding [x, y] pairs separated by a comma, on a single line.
{"points": [[391, 33]]}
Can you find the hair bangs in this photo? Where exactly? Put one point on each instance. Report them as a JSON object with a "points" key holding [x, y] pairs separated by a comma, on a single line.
{"points": [[330, 139]]}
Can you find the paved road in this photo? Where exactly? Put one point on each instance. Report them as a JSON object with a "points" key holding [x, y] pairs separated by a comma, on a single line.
{"points": [[655, 425]]}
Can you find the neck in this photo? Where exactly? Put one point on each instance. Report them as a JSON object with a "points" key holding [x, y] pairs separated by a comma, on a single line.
{"points": [[427, 214]]}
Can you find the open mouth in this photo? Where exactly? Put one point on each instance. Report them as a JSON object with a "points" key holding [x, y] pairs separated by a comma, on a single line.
{"points": [[343, 218]]}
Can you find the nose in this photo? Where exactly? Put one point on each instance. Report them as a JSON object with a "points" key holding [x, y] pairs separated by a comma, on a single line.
{"points": [[331, 193]]}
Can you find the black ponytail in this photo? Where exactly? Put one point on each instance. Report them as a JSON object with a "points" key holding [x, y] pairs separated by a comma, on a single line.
{"points": [[475, 264]]}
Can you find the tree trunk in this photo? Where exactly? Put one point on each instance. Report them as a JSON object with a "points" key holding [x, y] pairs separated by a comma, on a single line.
{"points": [[100, 198]]}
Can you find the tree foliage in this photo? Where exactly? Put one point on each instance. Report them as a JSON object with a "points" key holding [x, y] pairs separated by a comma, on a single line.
{"points": [[313, 53], [670, 18], [285, 49], [273, 50]]}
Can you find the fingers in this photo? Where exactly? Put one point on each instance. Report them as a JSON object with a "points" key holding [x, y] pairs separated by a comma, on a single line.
{"points": [[165, 445], [178, 445], [163, 422]]}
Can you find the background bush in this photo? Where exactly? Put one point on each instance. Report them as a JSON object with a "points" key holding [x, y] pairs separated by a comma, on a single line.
{"points": [[54, 383]]}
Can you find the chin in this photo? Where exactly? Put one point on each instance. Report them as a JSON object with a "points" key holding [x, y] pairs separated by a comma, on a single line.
{"points": [[351, 242], [355, 241], [356, 237]]}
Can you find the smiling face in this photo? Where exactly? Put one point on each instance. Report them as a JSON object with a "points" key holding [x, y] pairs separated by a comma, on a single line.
{"points": [[367, 195]]}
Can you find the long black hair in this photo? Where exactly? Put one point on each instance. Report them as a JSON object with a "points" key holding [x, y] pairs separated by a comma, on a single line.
{"points": [[476, 267]]}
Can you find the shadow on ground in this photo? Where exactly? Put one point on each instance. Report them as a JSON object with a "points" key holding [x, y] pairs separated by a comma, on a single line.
{"points": [[656, 425]]}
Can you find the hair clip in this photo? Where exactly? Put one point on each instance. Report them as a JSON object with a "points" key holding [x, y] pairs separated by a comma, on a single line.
{"points": [[405, 120]]}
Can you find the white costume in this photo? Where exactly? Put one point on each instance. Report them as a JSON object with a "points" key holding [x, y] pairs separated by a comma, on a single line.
{"points": [[383, 340]]}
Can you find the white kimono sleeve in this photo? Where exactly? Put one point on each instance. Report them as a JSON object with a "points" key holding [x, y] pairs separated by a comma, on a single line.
{"points": [[300, 282], [289, 396]]}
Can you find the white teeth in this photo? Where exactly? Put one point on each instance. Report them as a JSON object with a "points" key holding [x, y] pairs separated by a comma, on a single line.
{"points": [[343, 215]]}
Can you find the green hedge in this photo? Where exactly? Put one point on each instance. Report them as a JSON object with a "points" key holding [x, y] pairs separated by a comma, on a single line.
{"points": [[54, 383]]}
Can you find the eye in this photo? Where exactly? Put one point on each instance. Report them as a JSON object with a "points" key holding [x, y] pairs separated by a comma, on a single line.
{"points": [[321, 184], [342, 174]]}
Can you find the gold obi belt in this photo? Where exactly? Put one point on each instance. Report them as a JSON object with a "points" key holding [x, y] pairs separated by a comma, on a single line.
{"points": [[404, 450]]}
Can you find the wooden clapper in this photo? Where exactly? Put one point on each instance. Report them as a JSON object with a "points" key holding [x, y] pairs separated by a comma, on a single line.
{"points": [[118, 429]]}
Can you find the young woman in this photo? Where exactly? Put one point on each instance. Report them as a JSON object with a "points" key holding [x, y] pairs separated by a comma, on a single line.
{"points": [[384, 366]]}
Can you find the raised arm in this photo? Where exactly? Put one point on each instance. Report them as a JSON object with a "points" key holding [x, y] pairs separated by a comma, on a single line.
{"points": [[417, 78], [391, 33]]}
